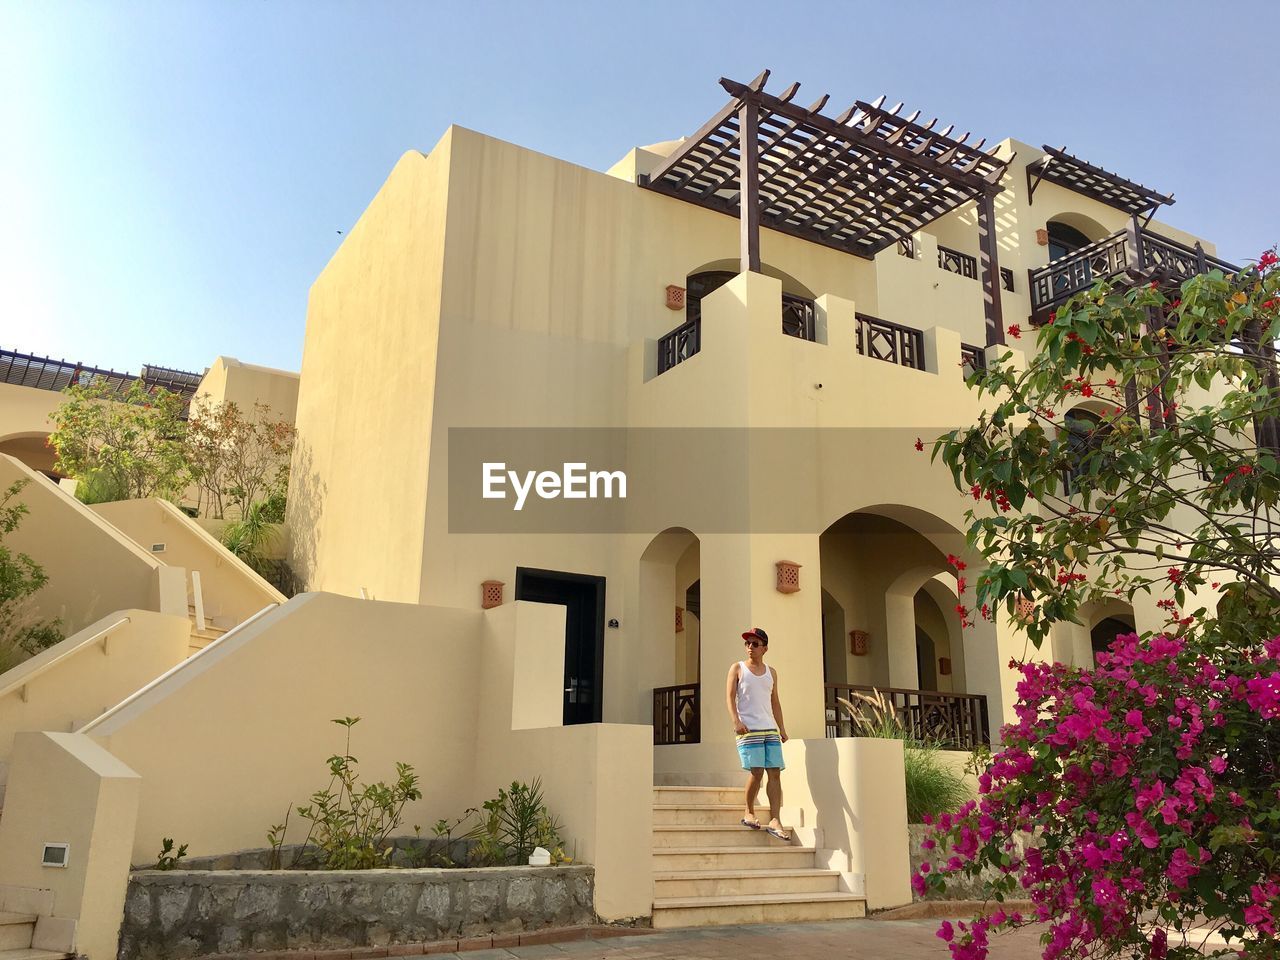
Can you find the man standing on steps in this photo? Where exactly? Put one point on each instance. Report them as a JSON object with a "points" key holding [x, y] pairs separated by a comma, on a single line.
{"points": [[752, 694]]}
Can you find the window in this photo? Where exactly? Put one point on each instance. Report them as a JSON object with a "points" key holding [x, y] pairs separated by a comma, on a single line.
{"points": [[1064, 240]]}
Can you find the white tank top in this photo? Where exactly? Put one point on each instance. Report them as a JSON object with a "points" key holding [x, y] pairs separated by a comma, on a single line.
{"points": [[755, 698]]}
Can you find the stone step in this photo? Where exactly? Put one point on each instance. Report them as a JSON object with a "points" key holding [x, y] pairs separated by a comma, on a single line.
{"points": [[712, 835], [742, 883], [708, 813], [772, 908], [29, 953], [777, 857], [16, 930], [697, 796]]}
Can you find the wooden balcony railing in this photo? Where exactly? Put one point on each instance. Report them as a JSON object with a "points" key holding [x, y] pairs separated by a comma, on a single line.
{"points": [[953, 720], [972, 358], [676, 715], [679, 345], [953, 261], [1143, 249], [890, 342], [799, 318]]}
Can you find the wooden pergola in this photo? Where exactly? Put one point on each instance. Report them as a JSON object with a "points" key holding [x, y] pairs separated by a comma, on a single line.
{"points": [[1058, 166], [858, 182]]}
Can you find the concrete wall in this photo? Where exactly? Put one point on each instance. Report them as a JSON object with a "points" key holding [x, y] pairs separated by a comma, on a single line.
{"points": [[232, 591], [74, 681], [245, 384], [67, 789], [93, 568], [25, 424]]}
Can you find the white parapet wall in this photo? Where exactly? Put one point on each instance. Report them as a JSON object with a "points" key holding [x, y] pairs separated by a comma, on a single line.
{"points": [[238, 735], [74, 681], [70, 794]]}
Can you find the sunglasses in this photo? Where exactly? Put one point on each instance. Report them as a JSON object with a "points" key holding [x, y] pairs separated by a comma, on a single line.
{"points": [[753, 643]]}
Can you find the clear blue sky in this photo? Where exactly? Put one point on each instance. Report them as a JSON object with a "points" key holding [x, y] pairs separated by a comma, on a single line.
{"points": [[173, 175]]}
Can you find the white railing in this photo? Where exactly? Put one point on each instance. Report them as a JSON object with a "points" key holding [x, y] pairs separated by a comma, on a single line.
{"points": [[20, 684], [142, 691]]}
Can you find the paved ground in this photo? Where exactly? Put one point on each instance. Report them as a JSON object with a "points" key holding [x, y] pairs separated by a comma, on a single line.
{"points": [[834, 940]]}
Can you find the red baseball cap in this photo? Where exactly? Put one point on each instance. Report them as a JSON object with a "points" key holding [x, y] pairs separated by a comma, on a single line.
{"points": [[755, 633]]}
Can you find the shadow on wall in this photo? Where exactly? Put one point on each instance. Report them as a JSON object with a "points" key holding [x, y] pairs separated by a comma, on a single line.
{"points": [[305, 504]]}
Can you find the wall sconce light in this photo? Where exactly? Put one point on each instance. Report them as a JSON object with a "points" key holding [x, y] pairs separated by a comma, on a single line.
{"points": [[944, 666], [788, 576], [491, 594], [859, 642], [679, 619], [675, 297], [1042, 237]]}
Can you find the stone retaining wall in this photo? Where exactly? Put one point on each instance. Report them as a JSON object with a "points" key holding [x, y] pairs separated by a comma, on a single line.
{"points": [[175, 914]]}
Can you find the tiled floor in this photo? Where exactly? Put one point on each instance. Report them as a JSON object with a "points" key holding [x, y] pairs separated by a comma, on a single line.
{"points": [[848, 939]]}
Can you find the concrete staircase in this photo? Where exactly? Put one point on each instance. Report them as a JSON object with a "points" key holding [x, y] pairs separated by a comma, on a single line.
{"points": [[709, 870], [202, 638], [28, 932]]}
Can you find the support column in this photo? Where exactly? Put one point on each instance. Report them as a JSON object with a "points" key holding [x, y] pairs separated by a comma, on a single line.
{"points": [[900, 641], [989, 269], [749, 185]]}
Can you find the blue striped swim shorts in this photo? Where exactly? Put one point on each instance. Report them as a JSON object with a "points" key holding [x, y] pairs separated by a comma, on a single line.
{"points": [[760, 748]]}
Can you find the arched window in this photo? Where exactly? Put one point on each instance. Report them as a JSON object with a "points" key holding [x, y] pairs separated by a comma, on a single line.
{"points": [[698, 286], [1064, 240]]}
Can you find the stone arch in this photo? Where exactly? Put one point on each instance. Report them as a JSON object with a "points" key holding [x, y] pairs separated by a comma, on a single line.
{"points": [[667, 651], [1091, 229], [31, 448], [790, 284]]}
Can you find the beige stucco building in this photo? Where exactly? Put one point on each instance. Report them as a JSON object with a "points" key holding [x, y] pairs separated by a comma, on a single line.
{"points": [[754, 325]]}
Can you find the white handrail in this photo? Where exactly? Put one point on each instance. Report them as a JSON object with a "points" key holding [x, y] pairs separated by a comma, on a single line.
{"points": [[141, 692], [197, 599], [20, 684]]}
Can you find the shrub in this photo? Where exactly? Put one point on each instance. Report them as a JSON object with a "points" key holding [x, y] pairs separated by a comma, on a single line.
{"points": [[513, 823], [352, 822]]}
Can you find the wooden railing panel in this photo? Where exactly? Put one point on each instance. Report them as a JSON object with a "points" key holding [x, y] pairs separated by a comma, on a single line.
{"points": [[676, 715], [954, 720], [890, 342]]}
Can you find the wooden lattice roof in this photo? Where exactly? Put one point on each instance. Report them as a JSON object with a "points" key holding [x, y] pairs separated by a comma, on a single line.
{"points": [[1058, 166], [858, 182]]}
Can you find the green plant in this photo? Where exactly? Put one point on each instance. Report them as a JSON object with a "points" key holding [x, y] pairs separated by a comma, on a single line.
{"points": [[932, 786], [133, 441], [101, 485], [275, 838], [513, 823], [239, 458], [249, 537], [168, 860], [351, 822], [23, 632]]}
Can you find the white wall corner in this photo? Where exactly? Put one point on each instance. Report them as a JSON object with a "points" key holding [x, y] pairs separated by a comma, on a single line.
{"points": [[942, 352], [837, 319]]}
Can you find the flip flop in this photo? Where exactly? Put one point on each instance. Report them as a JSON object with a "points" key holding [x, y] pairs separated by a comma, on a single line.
{"points": [[751, 826], [786, 837]]}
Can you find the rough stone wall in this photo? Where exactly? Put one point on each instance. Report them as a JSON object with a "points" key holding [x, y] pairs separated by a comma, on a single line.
{"points": [[960, 888], [170, 915]]}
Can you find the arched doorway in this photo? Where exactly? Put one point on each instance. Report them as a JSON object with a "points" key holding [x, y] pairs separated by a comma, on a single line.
{"points": [[33, 450], [666, 662], [896, 596]]}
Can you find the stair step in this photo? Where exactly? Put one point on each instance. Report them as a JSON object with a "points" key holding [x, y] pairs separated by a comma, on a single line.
{"points": [[777, 857], [30, 953], [697, 813], [734, 883], [711, 835], [756, 908], [697, 796]]}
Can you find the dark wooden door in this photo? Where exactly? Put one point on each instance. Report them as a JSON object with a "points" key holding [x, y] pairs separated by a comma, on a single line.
{"points": [[582, 596]]}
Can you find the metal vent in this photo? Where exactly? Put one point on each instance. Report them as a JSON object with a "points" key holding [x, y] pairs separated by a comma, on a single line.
{"points": [[55, 855], [157, 548]]}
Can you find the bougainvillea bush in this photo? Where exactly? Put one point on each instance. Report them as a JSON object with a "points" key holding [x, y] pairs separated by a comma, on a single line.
{"points": [[1151, 790], [1148, 786]]}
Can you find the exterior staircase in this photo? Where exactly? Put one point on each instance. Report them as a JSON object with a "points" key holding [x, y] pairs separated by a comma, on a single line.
{"points": [[201, 638], [28, 932], [709, 870]]}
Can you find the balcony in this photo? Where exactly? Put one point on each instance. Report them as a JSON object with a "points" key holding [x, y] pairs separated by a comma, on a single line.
{"points": [[1137, 249]]}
